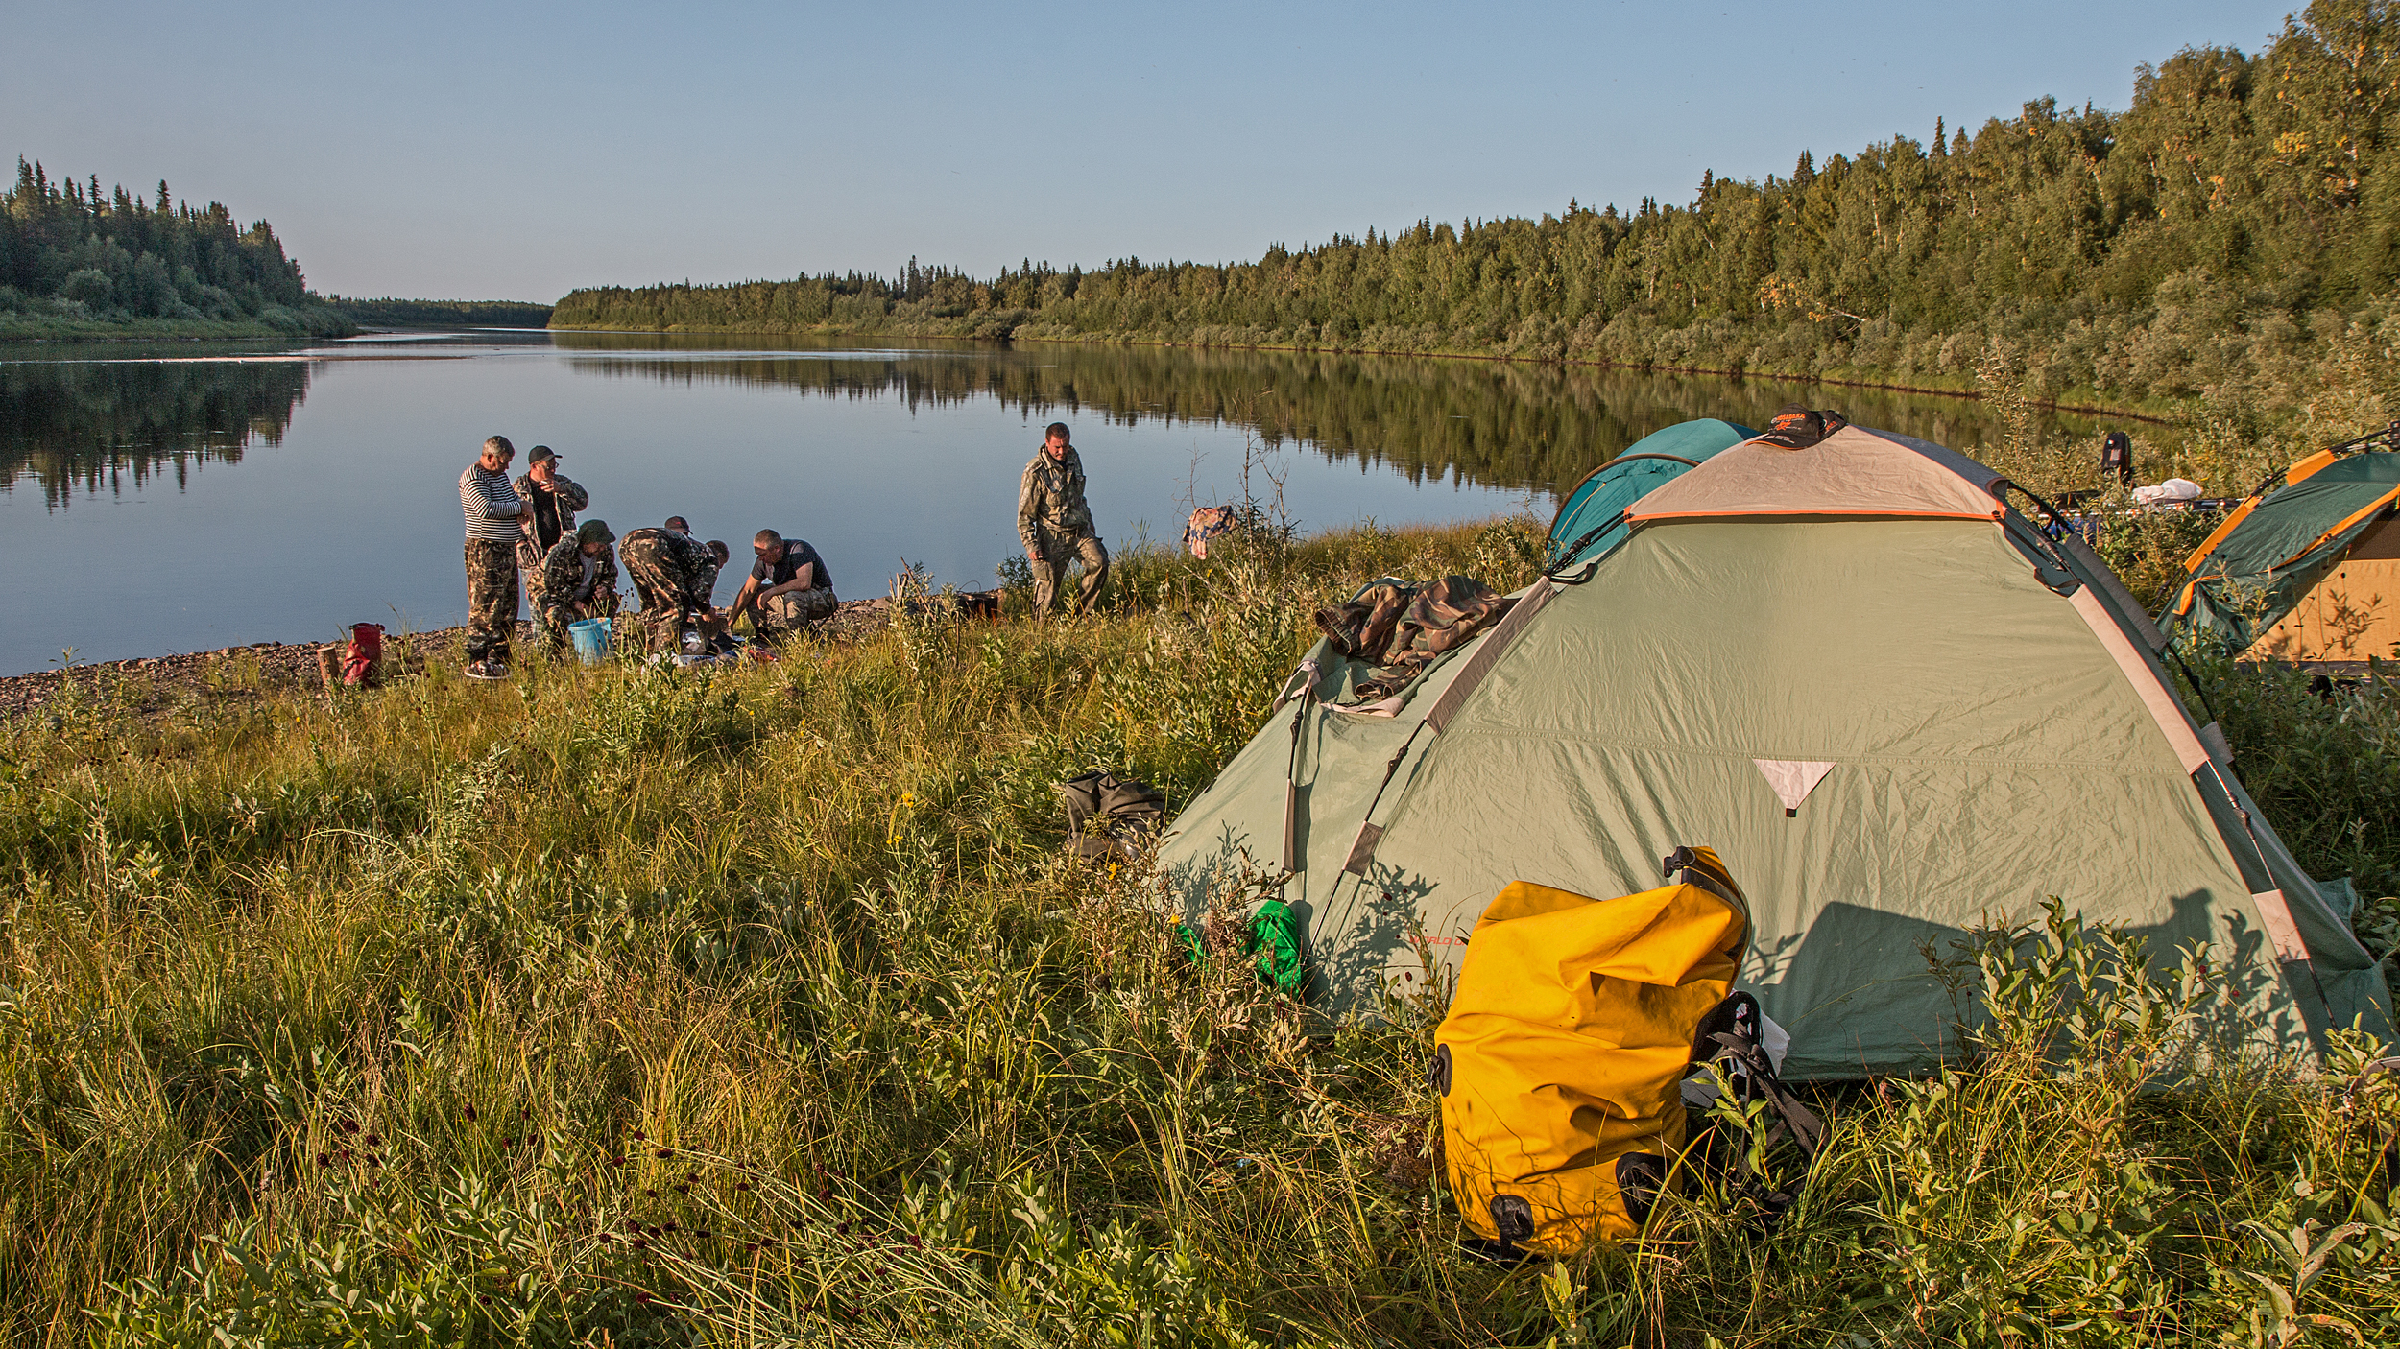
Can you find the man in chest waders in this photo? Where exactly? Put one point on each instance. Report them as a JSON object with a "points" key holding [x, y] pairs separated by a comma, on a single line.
{"points": [[1056, 524]]}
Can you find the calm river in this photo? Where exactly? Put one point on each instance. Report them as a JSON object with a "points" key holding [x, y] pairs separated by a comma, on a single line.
{"points": [[161, 499]]}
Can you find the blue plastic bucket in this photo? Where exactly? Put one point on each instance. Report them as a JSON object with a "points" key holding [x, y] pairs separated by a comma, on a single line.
{"points": [[591, 639]]}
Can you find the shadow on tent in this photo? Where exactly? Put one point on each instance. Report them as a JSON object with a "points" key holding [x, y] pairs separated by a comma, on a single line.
{"points": [[1798, 978]]}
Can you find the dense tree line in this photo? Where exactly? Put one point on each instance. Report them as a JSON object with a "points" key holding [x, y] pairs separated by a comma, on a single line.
{"points": [[2241, 210], [388, 312], [70, 253], [1538, 427]]}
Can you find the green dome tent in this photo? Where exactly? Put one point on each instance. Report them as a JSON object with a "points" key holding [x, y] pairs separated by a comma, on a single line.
{"points": [[2307, 569], [1592, 518], [1896, 710]]}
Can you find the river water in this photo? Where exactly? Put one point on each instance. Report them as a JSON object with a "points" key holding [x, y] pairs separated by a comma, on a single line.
{"points": [[159, 499]]}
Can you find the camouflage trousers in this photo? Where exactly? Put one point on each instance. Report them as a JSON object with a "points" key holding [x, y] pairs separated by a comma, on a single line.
{"points": [[793, 610], [663, 629], [661, 584], [529, 566], [1050, 574], [556, 615], [491, 599]]}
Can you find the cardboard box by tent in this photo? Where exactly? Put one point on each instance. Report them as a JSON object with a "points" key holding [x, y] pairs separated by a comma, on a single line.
{"points": [[1897, 710], [2307, 569]]}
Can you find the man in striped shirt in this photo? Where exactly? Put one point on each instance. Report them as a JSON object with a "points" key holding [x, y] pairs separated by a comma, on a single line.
{"points": [[494, 511]]}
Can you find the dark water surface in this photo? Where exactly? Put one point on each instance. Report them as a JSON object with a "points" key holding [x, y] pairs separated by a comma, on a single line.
{"points": [[157, 499]]}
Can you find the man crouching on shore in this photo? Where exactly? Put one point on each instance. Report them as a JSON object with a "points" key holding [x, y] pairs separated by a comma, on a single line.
{"points": [[675, 575], [579, 581], [788, 587]]}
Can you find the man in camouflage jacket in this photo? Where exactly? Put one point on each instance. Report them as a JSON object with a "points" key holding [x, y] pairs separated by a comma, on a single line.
{"points": [[551, 500], [675, 575], [1055, 523], [579, 581]]}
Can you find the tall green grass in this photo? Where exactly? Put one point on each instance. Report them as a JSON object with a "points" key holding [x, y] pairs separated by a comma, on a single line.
{"points": [[623, 1007]]}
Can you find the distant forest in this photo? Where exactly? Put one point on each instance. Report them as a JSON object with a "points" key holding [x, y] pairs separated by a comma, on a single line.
{"points": [[2240, 220], [74, 260], [390, 313], [1518, 425]]}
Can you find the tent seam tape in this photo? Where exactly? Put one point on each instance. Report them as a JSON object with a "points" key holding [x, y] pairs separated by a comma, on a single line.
{"points": [[1742, 514], [2172, 721], [2275, 915]]}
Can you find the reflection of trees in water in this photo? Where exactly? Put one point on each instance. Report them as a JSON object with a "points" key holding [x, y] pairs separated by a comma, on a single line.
{"points": [[1498, 424], [87, 425]]}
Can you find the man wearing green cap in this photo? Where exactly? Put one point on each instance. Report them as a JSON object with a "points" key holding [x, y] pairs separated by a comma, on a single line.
{"points": [[579, 581], [551, 500]]}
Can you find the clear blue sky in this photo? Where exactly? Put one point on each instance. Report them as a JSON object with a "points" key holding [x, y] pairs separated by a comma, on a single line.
{"points": [[515, 150]]}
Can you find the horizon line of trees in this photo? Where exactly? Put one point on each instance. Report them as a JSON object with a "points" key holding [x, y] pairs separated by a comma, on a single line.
{"points": [[396, 312], [2242, 215], [69, 251]]}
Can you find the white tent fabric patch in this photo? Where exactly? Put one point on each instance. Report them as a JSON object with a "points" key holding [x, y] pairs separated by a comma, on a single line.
{"points": [[1793, 779]]}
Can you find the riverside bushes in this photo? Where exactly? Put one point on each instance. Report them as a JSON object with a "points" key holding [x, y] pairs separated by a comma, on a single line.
{"points": [[632, 1007]]}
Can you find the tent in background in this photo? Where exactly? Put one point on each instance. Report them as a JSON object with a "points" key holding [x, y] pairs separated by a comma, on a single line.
{"points": [[1897, 710], [1591, 519], [2307, 569]]}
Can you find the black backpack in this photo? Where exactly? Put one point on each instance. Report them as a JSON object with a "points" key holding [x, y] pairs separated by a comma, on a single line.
{"points": [[1128, 812]]}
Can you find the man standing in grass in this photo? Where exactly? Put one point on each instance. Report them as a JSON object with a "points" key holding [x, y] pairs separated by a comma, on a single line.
{"points": [[788, 587], [1055, 523], [493, 510], [551, 500]]}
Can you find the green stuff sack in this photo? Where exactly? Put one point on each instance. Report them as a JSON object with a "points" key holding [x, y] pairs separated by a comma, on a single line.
{"points": [[1275, 938], [1560, 1063]]}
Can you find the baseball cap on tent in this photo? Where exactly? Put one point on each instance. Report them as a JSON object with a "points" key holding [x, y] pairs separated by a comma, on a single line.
{"points": [[2308, 568], [1896, 708], [1590, 521]]}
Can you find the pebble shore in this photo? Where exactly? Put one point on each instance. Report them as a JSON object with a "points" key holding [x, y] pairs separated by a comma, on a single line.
{"points": [[149, 685]]}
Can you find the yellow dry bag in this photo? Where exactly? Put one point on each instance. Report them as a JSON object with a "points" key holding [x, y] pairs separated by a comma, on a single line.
{"points": [[1559, 1066]]}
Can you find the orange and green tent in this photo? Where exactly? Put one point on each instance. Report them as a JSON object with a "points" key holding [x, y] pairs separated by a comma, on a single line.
{"points": [[2306, 569], [1895, 708]]}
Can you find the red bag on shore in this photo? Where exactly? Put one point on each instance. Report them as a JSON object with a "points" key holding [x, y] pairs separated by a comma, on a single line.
{"points": [[365, 652]]}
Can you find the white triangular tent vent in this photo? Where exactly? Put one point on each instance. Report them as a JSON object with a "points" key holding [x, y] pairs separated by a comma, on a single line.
{"points": [[1793, 779]]}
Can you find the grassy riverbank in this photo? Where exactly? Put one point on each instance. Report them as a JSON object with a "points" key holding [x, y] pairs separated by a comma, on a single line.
{"points": [[622, 1007], [57, 324]]}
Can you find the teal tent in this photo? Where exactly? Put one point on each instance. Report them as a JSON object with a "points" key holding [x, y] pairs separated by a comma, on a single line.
{"points": [[1592, 518]]}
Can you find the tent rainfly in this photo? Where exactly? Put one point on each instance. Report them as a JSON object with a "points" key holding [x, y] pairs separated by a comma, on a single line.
{"points": [[1895, 708], [1592, 518], [2307, 569]]}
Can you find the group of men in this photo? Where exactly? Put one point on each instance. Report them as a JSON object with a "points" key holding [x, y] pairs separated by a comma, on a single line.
{"points": [[526, 527]]}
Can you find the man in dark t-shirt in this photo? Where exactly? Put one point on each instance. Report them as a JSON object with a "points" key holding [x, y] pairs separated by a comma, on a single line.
{"points": [[788, 587]]}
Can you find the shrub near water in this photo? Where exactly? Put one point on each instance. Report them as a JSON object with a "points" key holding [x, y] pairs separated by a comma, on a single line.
{"points": [[629, 1007]]}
